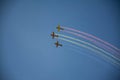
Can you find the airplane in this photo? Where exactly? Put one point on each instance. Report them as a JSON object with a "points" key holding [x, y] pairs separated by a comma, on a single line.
{"points": [[59, 28], [53, 35], [57, 44]]}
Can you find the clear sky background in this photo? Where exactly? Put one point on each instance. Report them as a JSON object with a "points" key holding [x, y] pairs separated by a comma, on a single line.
{"points": [[28, 52]]}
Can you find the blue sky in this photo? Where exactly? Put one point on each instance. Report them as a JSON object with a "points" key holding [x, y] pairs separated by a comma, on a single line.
{"points": [[28, 52]]}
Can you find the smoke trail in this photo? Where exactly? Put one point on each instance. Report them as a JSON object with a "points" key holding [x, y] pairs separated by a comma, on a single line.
{"points": [[94, 41], [90, 45], [113, 61], [89, 35]]}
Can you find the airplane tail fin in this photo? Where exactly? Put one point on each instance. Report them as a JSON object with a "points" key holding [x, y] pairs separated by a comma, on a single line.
{"points": [[61, 45]]}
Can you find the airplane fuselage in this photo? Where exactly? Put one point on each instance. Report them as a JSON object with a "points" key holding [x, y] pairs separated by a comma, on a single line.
{"points": [[57, 44], [59, 28], [53, 35]]}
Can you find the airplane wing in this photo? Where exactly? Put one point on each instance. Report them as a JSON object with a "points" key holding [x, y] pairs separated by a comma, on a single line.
{"points": [[58, 29], [56, 44], [52, 35]]}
